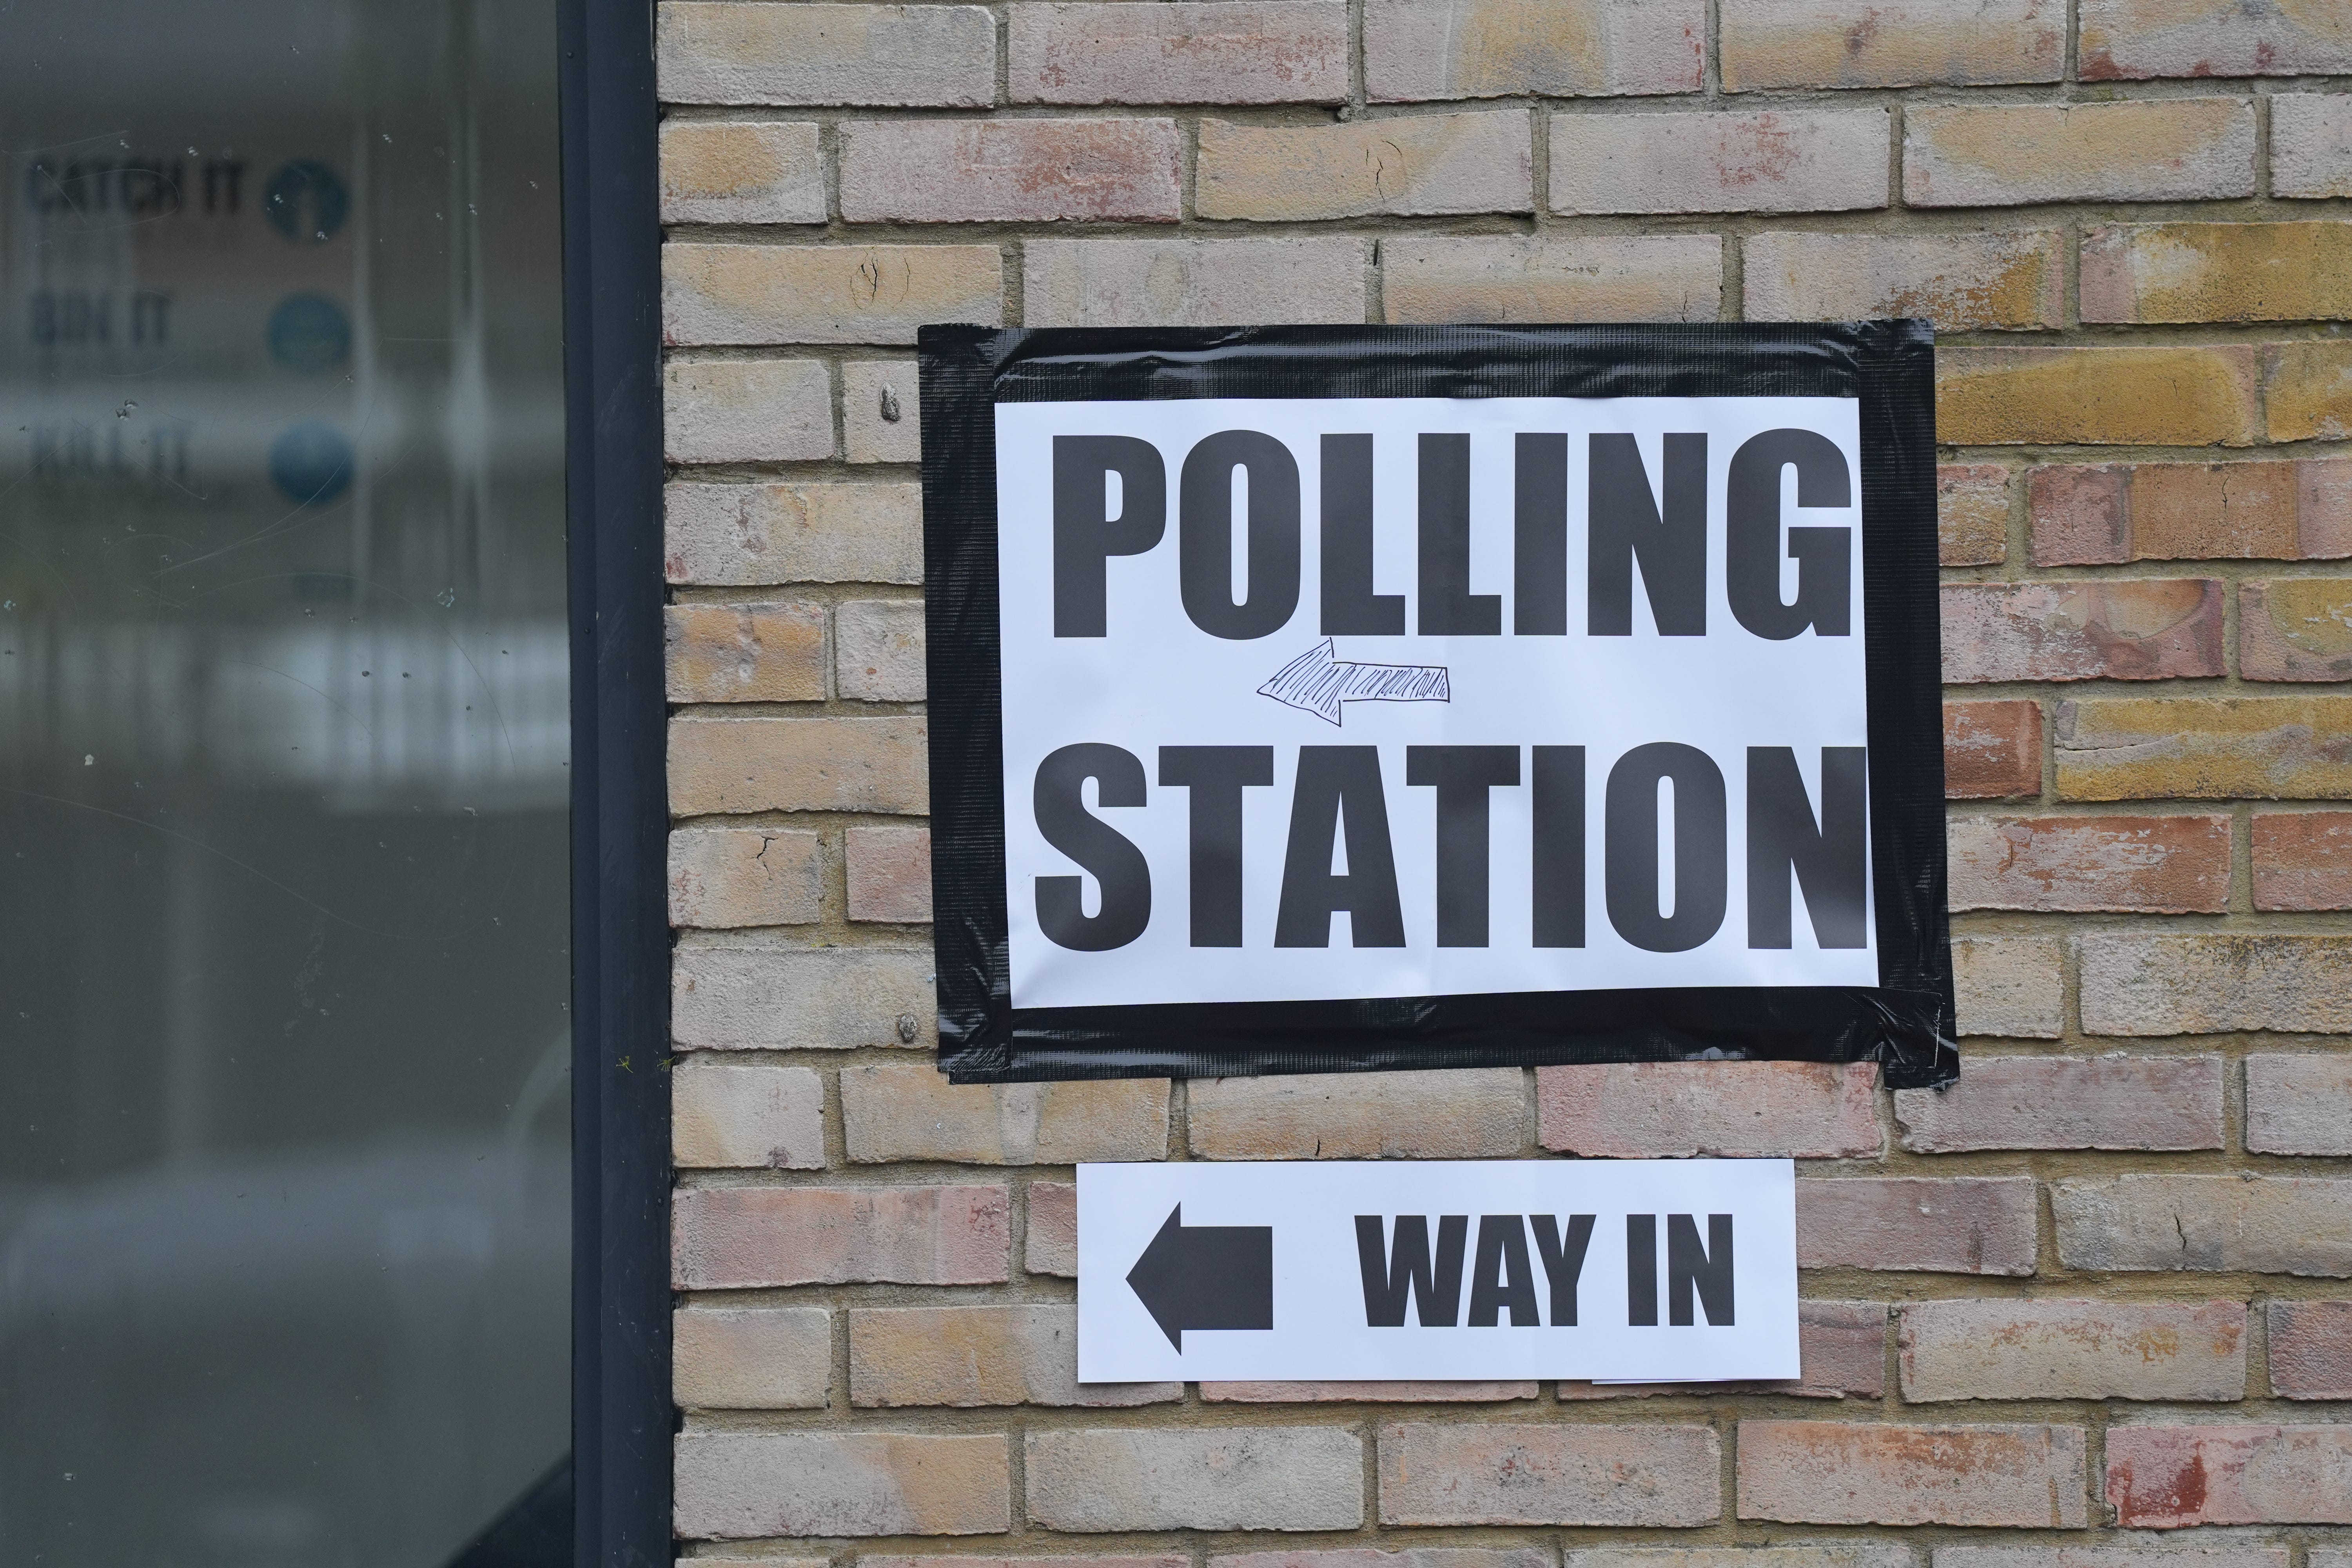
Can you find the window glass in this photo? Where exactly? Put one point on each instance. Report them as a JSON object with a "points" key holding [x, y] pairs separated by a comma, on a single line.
{"points": [[285, 1207]]}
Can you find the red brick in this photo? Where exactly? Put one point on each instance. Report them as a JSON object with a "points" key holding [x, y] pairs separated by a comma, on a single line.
{"points": [[2299, 1104], [2073, 1349], [1646, 1109], [2163, 1477], [733, 1239], [2115, 630], [889, 874], [1523, 1474], [2172, 865], [1956, 1224], [1230, 52], [2068, 1103], [1010, 171], [2311, 1350], [2303, 860], [1840, 1472], [1842, 1347], [1050, 1243], [1992, 750], [2093, 514]]}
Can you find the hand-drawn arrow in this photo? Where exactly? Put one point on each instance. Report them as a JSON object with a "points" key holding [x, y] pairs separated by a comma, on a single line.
{"points": [[1206, 1276], [1318, 681]]}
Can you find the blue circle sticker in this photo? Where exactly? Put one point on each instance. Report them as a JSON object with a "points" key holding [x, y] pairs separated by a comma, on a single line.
{"points": [[311, 464], [309, 332], [306, 200]]}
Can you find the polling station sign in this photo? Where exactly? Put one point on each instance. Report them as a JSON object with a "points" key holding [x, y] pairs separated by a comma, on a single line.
{"points": [[1315, 698], [1644, 1271]]}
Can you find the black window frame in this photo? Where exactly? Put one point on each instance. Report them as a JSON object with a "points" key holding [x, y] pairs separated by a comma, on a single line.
{"points": [[623, 1422]]}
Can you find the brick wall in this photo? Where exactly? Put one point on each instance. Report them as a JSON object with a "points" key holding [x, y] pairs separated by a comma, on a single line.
{"points": [[2090, 1306]]}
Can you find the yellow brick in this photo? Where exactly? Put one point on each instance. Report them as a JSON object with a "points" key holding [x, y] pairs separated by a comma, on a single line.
{"points": [[744, 653], [2295, 628], [1424, 49], [1523, 278], [2230, 748], [1422, 163], [2218, 272], [2159, 397], [2307, 390], [725, 171], [1840, 43], [891, 1113], [1972, 513], [1959, 282], [798, 764], [1010, 1355], [825, 294]]}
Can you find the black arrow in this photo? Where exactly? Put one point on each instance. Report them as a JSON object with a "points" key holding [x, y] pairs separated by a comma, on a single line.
{"points": [[1206, 1276]]}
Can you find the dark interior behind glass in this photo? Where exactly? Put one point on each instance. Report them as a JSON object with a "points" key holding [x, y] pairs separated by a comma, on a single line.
{"points": [[284, 1049]]}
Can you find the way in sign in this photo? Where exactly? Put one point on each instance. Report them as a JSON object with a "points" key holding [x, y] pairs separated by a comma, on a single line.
{"points": [[1646, 1270]]}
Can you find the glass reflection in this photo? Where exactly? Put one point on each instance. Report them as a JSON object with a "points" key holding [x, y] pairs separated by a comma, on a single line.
{"points": [[285, 1206]]}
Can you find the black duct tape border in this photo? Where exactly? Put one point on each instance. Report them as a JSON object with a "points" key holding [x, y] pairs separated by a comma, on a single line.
{"points": [[1906, 1023]]}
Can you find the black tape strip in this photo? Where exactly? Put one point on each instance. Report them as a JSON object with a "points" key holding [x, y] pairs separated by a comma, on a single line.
{"points": [[1906, 1023]]}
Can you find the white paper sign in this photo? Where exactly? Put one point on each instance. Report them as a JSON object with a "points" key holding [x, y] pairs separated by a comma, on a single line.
{"points": [[1668, 1270], [1320, 699]]}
